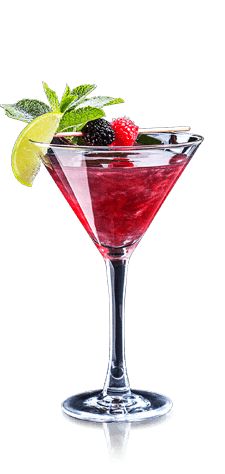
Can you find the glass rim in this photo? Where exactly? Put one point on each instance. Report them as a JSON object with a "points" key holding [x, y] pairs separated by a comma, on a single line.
{"points": [[194, 139]]}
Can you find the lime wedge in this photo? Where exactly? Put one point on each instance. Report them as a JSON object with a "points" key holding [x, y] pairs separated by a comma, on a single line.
{"points": [[26, 155]]}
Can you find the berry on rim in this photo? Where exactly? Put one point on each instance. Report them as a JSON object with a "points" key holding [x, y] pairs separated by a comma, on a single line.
{"points": [[98, 133], [125, 131]]}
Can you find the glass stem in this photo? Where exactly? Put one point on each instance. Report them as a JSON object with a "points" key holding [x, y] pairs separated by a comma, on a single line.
{"points": [[116, 382]]}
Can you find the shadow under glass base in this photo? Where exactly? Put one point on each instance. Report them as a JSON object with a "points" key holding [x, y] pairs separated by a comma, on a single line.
{"points": [[136, 406]]}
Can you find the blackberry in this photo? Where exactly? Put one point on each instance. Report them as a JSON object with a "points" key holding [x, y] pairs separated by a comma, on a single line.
{"points": [[98, 132]]}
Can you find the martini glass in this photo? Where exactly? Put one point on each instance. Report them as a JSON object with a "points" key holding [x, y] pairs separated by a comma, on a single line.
{"points": [[115, 192]]}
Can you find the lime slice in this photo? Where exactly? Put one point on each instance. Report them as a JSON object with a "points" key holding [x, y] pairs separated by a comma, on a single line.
{"points": [[26, 155]]}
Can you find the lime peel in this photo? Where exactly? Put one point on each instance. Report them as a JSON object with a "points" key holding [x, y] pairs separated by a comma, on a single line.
{"points": [[26, 155]]}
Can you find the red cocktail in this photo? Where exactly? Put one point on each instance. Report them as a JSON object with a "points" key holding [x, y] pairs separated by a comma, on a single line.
{"points": [[116, 192], [114, 201]]}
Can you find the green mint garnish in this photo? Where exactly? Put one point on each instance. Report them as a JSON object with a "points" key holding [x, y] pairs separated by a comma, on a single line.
{"points": [[76, 96], [77, 118], [67, 99], [67, 102], [66, 92], [25, 110], [52, 98], [83, 90], [100, 101], [76, 108]]}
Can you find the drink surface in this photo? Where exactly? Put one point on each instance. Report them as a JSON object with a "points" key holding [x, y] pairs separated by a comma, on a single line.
{"points": [[115, 204]]}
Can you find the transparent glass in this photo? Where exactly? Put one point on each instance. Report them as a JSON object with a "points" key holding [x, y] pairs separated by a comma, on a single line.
{"points": [[116, 192]]}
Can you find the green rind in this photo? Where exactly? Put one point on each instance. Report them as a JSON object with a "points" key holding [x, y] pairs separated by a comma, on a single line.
{"points": [[25, 155]]}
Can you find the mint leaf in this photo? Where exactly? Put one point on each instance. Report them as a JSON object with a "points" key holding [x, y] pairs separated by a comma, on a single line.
{"points": [[26, 109], [52, 98], [77, 118], [100, 101], [83, 90], [71, 98], [67, 98], [67, 102], [65, 95], [66, 92]]}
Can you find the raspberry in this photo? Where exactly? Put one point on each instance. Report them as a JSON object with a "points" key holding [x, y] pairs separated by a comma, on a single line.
{"points": [[125, 132], [98, 132]]}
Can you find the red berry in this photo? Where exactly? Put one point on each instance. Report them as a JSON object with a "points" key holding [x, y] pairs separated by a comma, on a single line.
{"points": [[125, 131], [121, 163]]}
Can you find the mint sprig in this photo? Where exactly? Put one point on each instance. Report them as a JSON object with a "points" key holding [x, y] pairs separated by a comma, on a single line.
{"points": [[72, 98], [67, 99], [67, 102], [100, 101], [52, 98], [66, 92], [75, 119], [83, 90], [76, 108], [25, 110]]}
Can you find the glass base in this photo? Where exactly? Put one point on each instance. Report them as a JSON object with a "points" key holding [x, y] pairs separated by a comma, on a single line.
{"points": [[137, 405]]}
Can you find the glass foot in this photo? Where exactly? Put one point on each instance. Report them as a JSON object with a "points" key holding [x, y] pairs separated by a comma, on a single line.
{"points": [[137, 405]]}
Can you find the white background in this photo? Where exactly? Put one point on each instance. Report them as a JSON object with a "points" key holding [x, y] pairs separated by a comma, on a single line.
{"points": [[167, 60]]}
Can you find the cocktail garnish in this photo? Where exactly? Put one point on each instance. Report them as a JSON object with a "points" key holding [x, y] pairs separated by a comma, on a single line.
{"points": [[125, 131], [71, 113], [98, 132], [144, 137]]}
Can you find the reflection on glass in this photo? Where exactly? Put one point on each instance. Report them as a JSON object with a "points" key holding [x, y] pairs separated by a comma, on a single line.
{"points": [[117, 435]]}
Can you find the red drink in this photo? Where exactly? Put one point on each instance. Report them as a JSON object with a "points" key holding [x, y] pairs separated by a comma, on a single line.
{"points": [[116, 192], [115, 204]]}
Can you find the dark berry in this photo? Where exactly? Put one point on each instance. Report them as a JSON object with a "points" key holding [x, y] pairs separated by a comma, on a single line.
{"points": [[98, 132]]}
